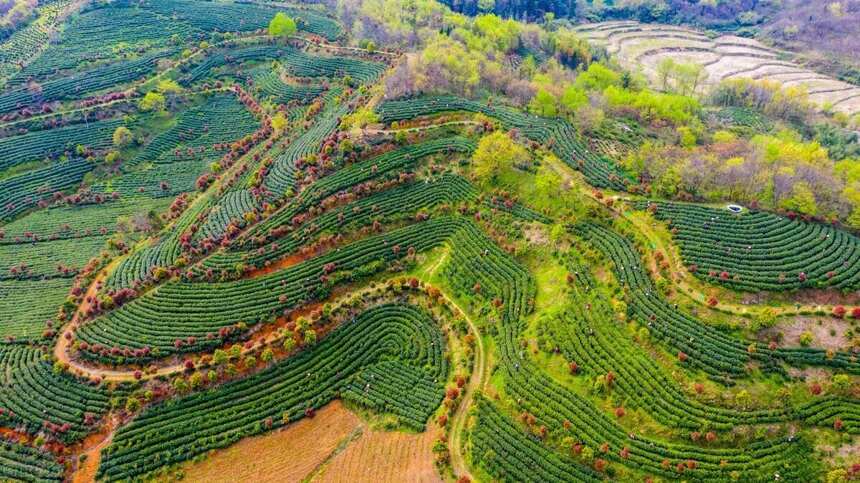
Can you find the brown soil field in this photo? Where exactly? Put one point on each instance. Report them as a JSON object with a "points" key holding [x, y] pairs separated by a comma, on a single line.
{"points": [[334, 445], [290, 454], [379, 456]]}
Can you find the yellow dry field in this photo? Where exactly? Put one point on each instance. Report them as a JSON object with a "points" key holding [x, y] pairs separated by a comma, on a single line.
{"points": [[290, 454], [333, 446], [379, 456]]}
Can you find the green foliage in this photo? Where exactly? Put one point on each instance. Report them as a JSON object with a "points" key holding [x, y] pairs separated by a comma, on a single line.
{"points": [[152, 101], [770, 97], [503, 34], [681, 78], [543, 104], [168, 86], [677, 109], [573, 98], [497, 154], [802, 200], [687, 136], [279, 122], [122, 137], [360, 118], [598, 78], [282, 25]]}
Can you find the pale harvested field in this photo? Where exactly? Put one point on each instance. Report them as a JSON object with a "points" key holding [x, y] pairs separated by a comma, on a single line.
{"points": [[643, 46], [334, 445], [290, 454], [384, 457], [787, 77]]}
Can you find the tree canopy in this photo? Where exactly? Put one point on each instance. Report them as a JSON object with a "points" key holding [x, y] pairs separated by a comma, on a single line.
{"points": [[282, 26], [496, 154]]}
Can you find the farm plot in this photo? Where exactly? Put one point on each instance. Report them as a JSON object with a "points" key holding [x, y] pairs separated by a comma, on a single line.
{"points": [[241, 16], [35, 397], [281, 176], [141, 266], [53, 143], [199, 314], [565, 141], [404, 335], [269, 83], [391, 163], [717, 353], [646, 45], [24, 191], [48, 259], [599, 346], [477, 260], [106, 32], [28, 42], [294, 61], [27, 305], [221, 321], [390, 456], [310, 442], [400, 203], [62, 222], [198, 131], [25, 463], [79, 85], [761, 251]]}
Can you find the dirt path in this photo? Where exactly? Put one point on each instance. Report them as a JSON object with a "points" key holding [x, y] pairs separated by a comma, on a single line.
{"points": [[92, 448], [63, 345], [680, 275], [478, 381]]}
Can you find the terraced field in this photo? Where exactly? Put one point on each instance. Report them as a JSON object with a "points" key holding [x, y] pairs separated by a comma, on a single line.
{"points": [[645, 46], [210, 231], [761, 251]]}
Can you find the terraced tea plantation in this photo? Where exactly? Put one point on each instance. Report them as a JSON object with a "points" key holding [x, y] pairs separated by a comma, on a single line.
{"points": [[219, 218]]}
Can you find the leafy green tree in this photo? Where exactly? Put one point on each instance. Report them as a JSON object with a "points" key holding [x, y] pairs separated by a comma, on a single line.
{"points": [[665, 68], [279, 122], [503, 34], [841, 383], [180, 385], [196, 380], [687, 136], [168, 86], [122, 137], [267, 355], [573, 98], [598, 77], [802, 200], [666, 186], [220, 357], [310, 337], [152, 101], [839, 475], [132, 404], [543, 104], [282, 26], [112, 157], [289, 343], [497, 153]]}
